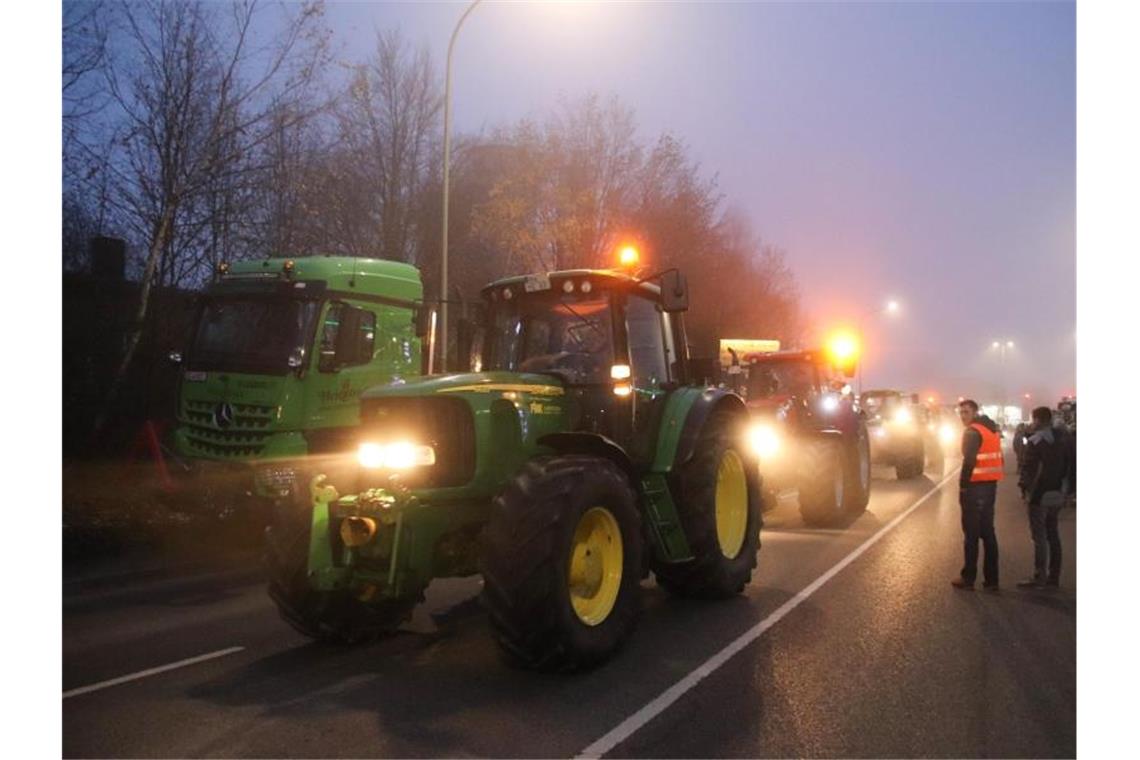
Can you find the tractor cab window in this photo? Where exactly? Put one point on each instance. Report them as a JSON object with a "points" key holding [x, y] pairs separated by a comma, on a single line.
{"points": [[780, 378], [646, 343], [568, 335]]}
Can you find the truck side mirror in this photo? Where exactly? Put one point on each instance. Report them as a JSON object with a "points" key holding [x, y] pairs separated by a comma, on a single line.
{"points": [[674, 291]]}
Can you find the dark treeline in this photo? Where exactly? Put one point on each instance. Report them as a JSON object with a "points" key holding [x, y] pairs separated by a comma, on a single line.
{"points": [[208, 132]]}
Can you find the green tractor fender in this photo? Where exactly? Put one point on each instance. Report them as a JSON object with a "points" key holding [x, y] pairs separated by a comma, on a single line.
{"points": [[593, 444], [686, 412]]}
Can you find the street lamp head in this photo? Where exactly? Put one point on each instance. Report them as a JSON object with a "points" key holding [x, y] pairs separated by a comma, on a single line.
{"points": [[892, 306]]}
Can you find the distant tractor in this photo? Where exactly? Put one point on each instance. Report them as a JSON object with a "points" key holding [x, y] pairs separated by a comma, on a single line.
{"points": [[578, 457], [809, 433], [898, 427], [280, 352]]}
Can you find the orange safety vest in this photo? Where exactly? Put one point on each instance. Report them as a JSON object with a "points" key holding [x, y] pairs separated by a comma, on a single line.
{"points": [[990, 465]]}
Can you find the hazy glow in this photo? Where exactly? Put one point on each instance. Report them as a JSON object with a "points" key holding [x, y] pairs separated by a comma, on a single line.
{"points": [[765, 441]]}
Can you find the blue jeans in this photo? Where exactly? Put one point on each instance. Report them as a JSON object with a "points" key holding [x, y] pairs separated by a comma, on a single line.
{"points": [[1046, 537], [977, 502]]}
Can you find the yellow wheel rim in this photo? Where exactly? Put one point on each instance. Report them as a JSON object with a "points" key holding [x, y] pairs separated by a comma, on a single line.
{"points": [[595, 571], [731, 504]]}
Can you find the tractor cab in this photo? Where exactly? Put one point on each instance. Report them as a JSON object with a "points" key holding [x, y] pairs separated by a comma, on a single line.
{"points": [[614, 342]]}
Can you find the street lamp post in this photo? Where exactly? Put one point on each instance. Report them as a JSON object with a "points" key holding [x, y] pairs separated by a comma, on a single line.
{"points": [[447, 184]]}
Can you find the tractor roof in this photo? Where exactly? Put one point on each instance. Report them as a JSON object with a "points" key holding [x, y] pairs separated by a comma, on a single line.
{"points": [[533, 283]]}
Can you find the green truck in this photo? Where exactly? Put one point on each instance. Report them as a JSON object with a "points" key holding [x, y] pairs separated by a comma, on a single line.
{"points": [[578, 456], [280, 353]]}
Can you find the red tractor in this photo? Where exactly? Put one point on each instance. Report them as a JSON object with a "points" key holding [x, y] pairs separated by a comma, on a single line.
{"points": [[809, 432]]}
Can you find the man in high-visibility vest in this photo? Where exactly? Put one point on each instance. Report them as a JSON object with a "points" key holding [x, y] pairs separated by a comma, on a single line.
{"points": [[982, 468]]}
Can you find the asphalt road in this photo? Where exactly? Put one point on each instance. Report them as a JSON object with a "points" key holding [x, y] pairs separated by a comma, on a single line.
{"points": [[834, 655]]}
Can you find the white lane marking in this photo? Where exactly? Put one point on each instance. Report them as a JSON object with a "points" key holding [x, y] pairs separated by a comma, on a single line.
{"points": [[634, 722], [150, 672]]}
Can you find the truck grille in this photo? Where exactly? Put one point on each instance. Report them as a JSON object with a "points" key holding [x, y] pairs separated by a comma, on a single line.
{"points": [[242, 436], [444, 423]]}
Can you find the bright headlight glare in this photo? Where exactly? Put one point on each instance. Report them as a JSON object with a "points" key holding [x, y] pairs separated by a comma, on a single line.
{"points": [[830, 403], [946, 434], [401, 455], [764, 440], [903, 416]]}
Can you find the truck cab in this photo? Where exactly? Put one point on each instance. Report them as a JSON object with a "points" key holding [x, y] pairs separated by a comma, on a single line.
{"points": [[280, 352]]}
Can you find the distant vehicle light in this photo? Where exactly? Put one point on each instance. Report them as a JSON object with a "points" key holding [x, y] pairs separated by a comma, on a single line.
{"points": [[946, 433]]}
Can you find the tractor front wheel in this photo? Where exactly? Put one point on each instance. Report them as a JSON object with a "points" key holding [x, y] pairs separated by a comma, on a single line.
{"points": [[561, 559], [822, 482], [718, 498], [857, 487]]}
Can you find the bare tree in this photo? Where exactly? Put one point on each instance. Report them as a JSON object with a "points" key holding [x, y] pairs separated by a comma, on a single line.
{"points": [[195, 87], [84, 53], [387, 129]]}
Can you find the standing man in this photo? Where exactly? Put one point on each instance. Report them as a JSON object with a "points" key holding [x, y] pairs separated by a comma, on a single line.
{"points": [[1043, 470], [982, 468]]}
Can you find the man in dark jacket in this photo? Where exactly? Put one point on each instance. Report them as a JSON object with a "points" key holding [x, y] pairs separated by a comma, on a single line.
{"points": [[1043, 471], [982, 468]]}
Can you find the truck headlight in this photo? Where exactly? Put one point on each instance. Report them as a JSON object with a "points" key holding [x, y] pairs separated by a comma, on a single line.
{"points": [[903, 417], [765, 441], [829, 403], [401, 455]]}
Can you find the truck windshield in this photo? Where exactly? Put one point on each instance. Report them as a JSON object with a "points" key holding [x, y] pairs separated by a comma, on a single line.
{"points": [[568, 336], [251, 334], [784, 378]]}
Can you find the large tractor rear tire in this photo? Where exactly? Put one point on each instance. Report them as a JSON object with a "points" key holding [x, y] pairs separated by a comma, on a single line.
{"points": [[330, 617], [822, 481], [857, 473], [718, 498], [561, 559]]}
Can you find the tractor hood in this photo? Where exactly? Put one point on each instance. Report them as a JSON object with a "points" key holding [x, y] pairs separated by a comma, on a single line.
{"points": [[498, 383]]}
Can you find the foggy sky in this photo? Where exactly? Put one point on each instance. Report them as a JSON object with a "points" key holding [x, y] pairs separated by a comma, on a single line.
{"points": [[919, 151]]}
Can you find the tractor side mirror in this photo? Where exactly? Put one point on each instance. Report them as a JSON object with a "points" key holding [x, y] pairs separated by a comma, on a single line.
{"points": [[674, 292]]}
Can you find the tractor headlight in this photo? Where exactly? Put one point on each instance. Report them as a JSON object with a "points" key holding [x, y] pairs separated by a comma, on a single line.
{"points": [[400, 455], [765, 441]]}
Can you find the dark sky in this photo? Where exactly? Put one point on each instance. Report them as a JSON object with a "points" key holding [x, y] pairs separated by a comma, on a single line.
{"points": [[920, 151]]}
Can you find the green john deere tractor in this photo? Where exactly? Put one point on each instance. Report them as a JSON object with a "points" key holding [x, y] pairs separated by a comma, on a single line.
{"points": [[578, 456]]}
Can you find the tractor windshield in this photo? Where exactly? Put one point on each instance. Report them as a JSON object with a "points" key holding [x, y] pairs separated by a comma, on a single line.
{"points": [[252, 334], [570, 336], [881, 404], [779, 378]]}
